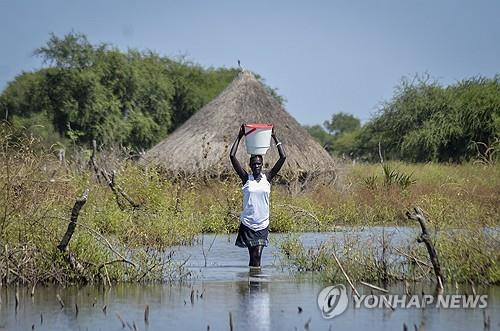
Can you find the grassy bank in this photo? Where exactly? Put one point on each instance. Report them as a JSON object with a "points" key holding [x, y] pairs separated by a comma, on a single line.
{"points": [[469, 255], [451, 195], [38, 191]]}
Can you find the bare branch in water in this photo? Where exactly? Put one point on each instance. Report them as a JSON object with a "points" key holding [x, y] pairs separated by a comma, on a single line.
{"points": [[424, 237]]}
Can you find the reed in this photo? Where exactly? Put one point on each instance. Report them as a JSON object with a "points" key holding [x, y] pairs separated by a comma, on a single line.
{"points": [[467, 255]]}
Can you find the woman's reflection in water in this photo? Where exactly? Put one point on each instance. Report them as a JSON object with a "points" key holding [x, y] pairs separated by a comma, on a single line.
{"points": [[254, 311]]}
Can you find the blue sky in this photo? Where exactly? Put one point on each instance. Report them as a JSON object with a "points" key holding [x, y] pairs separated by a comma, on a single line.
{"points": [[323, 56]]}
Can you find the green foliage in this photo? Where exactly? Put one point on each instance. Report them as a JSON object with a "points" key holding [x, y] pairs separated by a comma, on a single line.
{"points": [[39, 125], [194, 87], [393, 176], [370, 182], [73, 51], [342, 123], [425, 121], [319, 133], [467, 255], [39, 191], [133, 99], [314, 259], [35, 204], [344, 144], [340, 142]]}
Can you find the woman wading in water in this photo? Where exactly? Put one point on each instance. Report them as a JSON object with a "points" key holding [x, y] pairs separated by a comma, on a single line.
{"points": [[254, 226]]}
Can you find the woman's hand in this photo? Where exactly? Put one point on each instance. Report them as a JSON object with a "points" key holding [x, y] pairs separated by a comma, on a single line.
{"points": [[242, 131], [273, 135]]}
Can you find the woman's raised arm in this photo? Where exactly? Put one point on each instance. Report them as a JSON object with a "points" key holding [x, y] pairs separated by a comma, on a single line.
{"points": [[276, 168], [234, 161]]}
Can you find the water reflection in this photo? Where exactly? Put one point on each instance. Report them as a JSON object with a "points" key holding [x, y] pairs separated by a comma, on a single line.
{"points": [[267, 300], [254, 302]]}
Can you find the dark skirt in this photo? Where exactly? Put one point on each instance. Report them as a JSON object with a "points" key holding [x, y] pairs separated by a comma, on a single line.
{"points": [[250, 238]]}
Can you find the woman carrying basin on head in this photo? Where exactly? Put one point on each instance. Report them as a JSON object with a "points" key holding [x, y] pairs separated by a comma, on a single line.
{"points": [[254, 226]]}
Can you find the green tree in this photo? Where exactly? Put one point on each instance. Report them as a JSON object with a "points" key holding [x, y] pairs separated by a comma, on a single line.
{"points": [[99, 92], [342, 144], [72, 51], [345, 144], [341, 123], [425, 121], [321, 136], [194, 87]]}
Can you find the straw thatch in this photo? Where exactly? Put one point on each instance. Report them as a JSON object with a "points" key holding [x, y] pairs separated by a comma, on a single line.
{"points": [[203, 142]]}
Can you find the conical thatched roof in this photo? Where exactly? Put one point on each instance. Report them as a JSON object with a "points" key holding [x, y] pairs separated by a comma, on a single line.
{"points": [[203, 142]]}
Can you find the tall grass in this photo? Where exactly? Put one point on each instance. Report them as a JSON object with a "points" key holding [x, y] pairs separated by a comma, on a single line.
{"points": [[36, 196], [466, 255], [38, 190]]}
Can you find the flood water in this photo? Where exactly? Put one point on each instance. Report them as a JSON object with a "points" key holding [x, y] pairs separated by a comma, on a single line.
{"points": [[224, 290]]}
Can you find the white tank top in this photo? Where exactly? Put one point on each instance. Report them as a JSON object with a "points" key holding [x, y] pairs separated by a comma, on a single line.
{"points": [[255, 213]]}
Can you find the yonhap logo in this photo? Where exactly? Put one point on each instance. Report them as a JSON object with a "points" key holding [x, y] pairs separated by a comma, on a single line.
{"points": [[333, 301]]}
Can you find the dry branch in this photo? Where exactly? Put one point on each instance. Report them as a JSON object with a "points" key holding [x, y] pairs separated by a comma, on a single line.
{"points": [[58, 297], [374, 287], [424, 237], [415, 259], [101, 237], [345, 275], [93, 161], [117, 190], [110, 180], [63, 245]]}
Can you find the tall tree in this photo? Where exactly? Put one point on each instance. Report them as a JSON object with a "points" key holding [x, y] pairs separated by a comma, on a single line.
{"points": [[425, 121], [99, 92]]}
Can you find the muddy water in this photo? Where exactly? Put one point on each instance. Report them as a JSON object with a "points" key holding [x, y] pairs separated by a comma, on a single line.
{"points": [[224, 290]]}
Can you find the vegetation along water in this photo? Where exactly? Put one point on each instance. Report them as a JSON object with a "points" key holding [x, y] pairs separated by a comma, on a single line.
{"points": [[76, 207]]}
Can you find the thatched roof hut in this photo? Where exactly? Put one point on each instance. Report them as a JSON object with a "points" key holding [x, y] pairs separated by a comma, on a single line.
{"points": [[203, 142]]}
